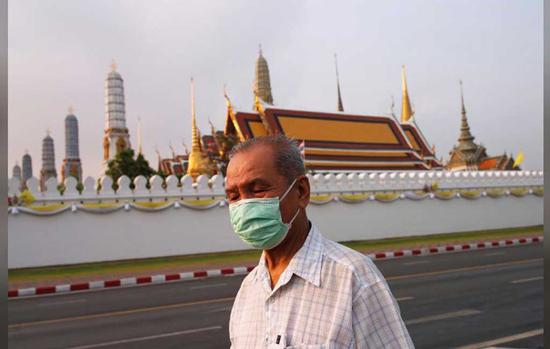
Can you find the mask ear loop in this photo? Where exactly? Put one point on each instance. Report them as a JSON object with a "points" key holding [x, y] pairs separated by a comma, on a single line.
{"points": [[293, 218], [283, 196], [288, 190]]}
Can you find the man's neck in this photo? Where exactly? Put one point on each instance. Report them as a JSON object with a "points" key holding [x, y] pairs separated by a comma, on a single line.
{"points": [[278, 258]]}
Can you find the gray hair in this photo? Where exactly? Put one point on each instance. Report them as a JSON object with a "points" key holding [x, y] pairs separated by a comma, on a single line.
{"points": [[288, 160]]}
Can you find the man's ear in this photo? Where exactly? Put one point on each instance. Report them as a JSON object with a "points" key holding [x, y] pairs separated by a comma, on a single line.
{"points": [[303, 191]]}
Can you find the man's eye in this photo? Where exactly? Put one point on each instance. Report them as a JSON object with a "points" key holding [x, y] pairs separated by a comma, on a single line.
{"points": [[233, 197]]}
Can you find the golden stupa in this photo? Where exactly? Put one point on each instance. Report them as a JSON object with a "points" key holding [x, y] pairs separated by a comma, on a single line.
{"points": [[198, 163]]}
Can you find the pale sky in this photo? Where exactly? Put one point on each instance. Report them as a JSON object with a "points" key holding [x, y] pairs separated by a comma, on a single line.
{"points": [[60, 53]]}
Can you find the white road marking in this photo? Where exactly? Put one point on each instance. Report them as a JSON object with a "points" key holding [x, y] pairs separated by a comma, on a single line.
{"points": [[206, 286], [70, 301], [139, 339], [444, 316], [400, 299], [520, 281], [416, 262], [503, 340]]}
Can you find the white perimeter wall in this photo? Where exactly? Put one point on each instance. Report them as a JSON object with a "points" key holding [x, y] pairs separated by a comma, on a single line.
{"points": [[76, 237]]}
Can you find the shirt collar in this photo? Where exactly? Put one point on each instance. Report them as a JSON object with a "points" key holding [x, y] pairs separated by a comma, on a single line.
{"points": [[306, 263]]}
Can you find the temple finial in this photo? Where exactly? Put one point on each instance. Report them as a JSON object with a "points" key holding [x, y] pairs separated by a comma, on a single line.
{"points": [[195, 142], [139, 136], [340, 104], [212, 128], [71, 109], [462, 98], [406, 110], [172, 149], [184, 146], [113, 65], [260, 49], [157, 151]]}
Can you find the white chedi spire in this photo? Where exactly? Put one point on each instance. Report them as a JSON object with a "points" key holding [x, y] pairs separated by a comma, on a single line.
{"points": [[115, 108], [48, 160], [48, 153], [116, 137]]}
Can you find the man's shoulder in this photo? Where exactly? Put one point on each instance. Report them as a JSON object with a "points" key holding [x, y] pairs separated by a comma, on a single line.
{"points": [[360, 265]]}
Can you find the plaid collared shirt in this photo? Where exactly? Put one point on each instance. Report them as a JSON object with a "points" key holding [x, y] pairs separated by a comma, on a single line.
{"points": [[329, 296]]}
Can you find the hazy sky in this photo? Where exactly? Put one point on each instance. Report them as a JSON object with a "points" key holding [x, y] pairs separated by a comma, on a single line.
{"points": [[61, 51]]}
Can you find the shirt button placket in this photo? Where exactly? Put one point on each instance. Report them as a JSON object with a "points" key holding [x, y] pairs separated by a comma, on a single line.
{"points": [[268, 315]]}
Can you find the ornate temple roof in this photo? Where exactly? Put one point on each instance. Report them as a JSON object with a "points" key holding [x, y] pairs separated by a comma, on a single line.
{"points": [[338, 140]]}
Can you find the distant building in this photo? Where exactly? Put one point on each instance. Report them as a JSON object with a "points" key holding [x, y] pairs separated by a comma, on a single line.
{"points": [[48, 161], [116, 137], [71, 164], [27, 168], [176, 165], [470, 156], [16, 172]]}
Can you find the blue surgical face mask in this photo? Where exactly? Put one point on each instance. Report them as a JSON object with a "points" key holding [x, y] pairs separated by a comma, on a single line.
{"points": [[258, 221]]}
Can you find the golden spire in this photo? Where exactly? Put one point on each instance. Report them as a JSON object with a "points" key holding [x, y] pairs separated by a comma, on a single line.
{"points": [[340, 104], [262, 82], [113, 65], [406, 110], [195, 141], [139, 135], [198, 164]]}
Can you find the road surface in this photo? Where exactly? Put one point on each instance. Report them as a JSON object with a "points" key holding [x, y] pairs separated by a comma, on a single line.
{"points": [[479, 299]]}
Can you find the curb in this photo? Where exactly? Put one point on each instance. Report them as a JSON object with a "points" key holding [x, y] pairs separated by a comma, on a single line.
{"points": [[163, 278]]}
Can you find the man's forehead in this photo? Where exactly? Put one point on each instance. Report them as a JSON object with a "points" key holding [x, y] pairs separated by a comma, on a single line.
{"points": [[257, 163]]}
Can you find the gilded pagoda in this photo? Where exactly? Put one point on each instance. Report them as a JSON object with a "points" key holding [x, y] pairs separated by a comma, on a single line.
{"points": [[470, 156]]}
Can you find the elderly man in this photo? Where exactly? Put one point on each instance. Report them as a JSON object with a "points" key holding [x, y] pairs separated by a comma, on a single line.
{"points": [[307, 291]]}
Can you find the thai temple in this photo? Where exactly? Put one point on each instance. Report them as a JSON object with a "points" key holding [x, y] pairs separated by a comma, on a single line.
{"points": [[208, 155], [333, 141], [116, 136], [71, 164], [470, 156], [48, 161], [329, 140]]}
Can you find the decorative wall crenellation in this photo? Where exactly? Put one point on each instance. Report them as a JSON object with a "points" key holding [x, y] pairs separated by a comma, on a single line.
{"points": [[335, 183]]}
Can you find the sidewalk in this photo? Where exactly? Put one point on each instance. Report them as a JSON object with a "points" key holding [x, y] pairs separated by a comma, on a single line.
{"points": [[200, 269]]}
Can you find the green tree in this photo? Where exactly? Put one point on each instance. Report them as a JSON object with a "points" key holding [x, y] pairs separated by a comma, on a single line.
{"points": [[125, 164]]}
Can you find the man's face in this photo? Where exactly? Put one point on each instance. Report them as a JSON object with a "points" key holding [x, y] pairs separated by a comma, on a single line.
{"points": [[253, 174]]}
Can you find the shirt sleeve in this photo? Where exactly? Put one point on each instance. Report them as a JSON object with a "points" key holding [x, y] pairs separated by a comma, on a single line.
{"points": [[376, 318]]}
